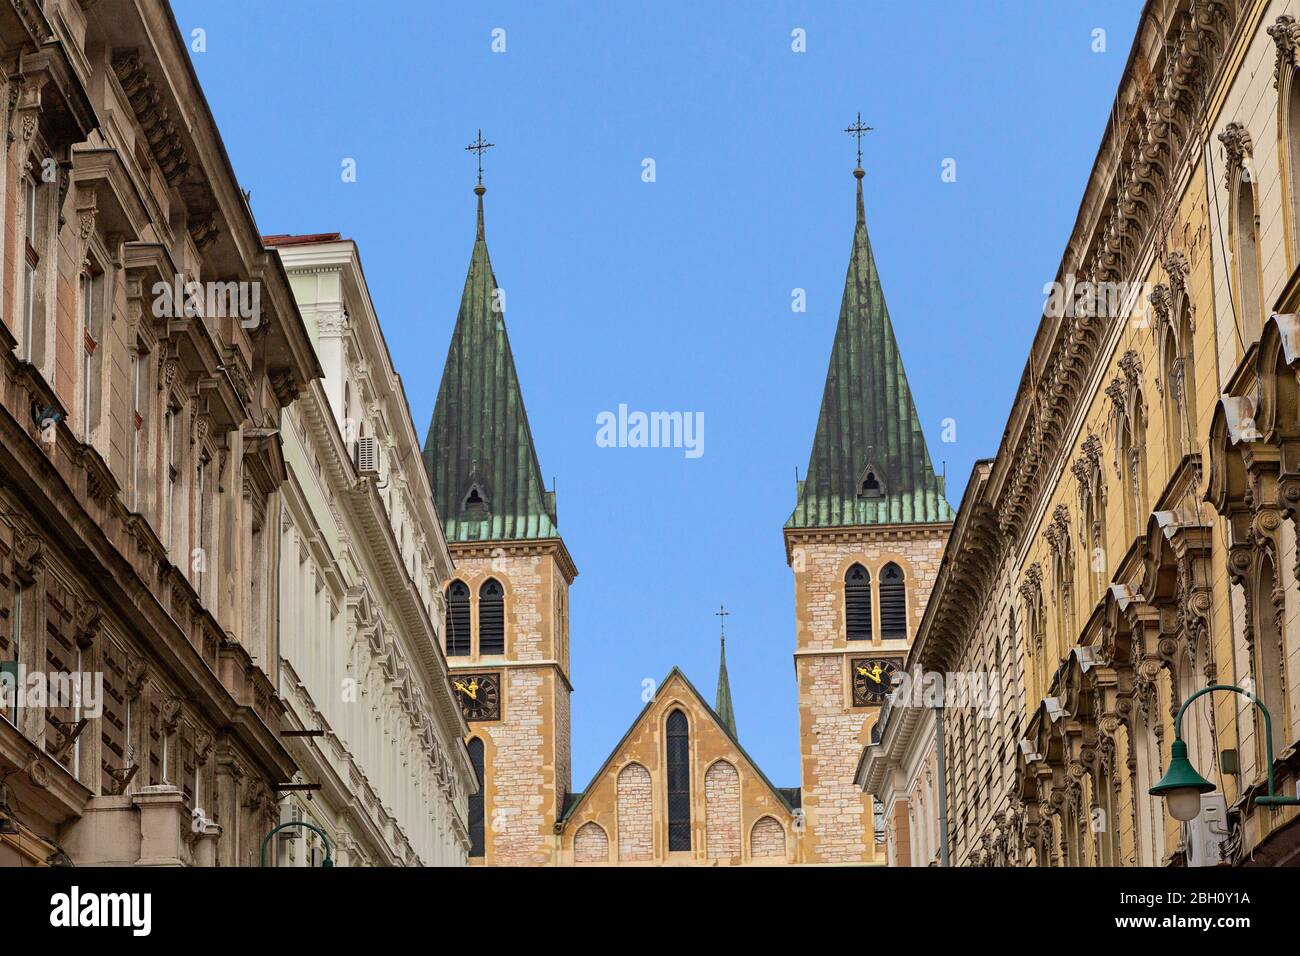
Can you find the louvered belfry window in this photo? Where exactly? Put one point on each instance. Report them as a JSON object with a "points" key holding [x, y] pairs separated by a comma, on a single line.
{"points": [[893, 602], [491, 618], [857, 603], [457, 619], [476, 800], [679, 782]]}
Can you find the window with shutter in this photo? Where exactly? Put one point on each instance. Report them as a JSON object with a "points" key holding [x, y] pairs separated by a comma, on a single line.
{"points": [[112, 723], [893, 602], [154, 741], [457, 623], [857, 603], [60, 669], [187, 763], [491, 618], [10, 619]]}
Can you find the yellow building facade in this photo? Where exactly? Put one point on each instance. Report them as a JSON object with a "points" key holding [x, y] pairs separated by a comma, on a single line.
{"points": [[1134, 539]]}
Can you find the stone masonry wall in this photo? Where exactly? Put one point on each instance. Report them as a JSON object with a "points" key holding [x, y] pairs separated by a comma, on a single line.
{"points": [[722, 811], [838, 816], [635, 814], [591, 845], [767, 839], [527, 770]]}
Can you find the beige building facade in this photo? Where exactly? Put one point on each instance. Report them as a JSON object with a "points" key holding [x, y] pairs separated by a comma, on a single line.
{"points": [[140, 463]]}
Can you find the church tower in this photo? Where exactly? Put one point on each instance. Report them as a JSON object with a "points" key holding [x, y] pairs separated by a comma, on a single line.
{"points": [[507, 606], [864, 542]]}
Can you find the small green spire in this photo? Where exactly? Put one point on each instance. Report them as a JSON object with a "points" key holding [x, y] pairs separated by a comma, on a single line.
{"points": [[725, 711]]}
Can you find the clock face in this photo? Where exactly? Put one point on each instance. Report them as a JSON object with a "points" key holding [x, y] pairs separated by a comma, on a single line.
{"points": [[479, 695], [872, 680]]}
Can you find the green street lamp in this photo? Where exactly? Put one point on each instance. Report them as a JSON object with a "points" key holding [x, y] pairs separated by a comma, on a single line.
{"points": [[1182, 786], [325, 863]]}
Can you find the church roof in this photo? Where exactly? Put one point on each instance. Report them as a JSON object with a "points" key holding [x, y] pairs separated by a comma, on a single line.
{"points": [[782, 794], [479, 452], [869, 461]]}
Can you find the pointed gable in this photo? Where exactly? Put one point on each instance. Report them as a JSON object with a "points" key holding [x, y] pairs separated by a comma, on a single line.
{"points": [[869, 461], [479, 450], [637, 766]]}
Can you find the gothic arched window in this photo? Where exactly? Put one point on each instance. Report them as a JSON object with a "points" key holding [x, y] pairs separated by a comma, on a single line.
{"points": [[857, 603], [893, 602], [457, 619], [1179, 373], [491, 618], [476, 800], [679, 782], [1293, 155], [1269, 661], [1245, 243]]}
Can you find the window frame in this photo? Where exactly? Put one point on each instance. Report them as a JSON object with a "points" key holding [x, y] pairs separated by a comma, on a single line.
{"points": [[677, 770], [854, 595], [448, 624], [495, 601], [888, 633]]}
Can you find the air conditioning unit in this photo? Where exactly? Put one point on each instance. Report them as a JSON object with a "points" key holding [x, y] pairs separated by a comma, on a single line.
{"points": [[1207, 833], [290, 812], [368, 456]]}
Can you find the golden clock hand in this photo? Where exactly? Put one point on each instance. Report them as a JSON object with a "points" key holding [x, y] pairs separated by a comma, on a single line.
{"points": [[473, 689]]}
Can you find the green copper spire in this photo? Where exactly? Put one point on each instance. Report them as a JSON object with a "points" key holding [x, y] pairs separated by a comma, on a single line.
{"points": [[479, 451], [726, 713], [869, 462]]}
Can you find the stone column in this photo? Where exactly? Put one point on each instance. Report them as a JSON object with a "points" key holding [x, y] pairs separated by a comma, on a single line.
{"points": [[164, 826], [206, 834]]}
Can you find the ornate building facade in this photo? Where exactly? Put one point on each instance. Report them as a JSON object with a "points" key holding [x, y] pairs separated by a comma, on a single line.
{"points": [[1134, 539], [140, 462], [864, 543], [362, 559]]}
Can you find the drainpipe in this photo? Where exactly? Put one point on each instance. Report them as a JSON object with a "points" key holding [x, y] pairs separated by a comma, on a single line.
{"points": [[943, 787]]}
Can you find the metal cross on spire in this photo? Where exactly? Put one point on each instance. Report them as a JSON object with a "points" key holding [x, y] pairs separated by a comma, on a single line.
{"points": [[722, 614], [857, 129], [479, 146]]}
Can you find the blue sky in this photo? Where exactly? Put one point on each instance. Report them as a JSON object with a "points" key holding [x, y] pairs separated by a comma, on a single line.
{"points": [[676, 295]]}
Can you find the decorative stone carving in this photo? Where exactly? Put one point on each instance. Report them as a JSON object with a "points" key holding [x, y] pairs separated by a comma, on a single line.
{"points": [[1176, 267], [204, 231], [202, 746], [28, 549], [1286, 36], [1236, 152], [146, 102], [86, 225], [332, 323], [171, 714], [88, 619]]}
